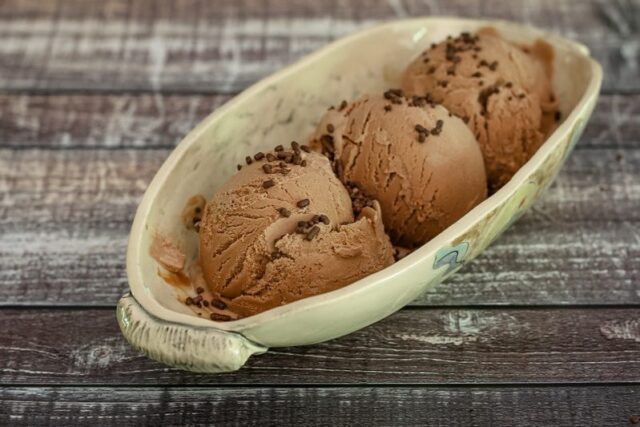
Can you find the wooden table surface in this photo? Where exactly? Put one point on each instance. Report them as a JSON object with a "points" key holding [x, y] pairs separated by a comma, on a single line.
{"points": [[542, 329]]}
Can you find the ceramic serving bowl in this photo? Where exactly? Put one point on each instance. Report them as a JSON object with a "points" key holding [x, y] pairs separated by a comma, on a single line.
{"points": [[284, 107]]}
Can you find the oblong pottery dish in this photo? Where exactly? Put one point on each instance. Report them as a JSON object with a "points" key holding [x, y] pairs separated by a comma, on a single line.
{"points": [[284, 107]]}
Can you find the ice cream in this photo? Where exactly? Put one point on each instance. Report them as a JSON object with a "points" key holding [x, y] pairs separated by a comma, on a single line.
{"points": [[282, 229], [421, 164], [500, 90]]}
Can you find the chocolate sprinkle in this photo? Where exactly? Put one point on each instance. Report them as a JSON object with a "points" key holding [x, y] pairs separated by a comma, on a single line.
{"points": [[188, 301], [324, 219], [387, 108], [330, 128], [438, 129], [305, 148], [217, 303], [239, 167], [557, 116], [268, 183], [312, 233], [271, 157], [259, 155], [422, 132], [303, 203], [284, 212], [279, 147], [395, 96], [199, 289], [343, 105], [295, 146], [248, 160], [217, 317], [267, 168], [338, 168], [303, 163]]}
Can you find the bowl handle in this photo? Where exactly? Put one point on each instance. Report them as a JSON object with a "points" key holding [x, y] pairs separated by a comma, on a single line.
{"points": [[192, 348]]}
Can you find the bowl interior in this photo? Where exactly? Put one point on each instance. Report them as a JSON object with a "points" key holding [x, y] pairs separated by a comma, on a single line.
{"points": [[285, 107]]}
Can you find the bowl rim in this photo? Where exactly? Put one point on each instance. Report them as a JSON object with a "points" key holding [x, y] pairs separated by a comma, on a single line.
{"points": [[420, 255]]}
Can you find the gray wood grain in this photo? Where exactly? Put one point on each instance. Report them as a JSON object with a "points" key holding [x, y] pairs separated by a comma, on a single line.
{"points": [[413, 346], [198, 46], [326, 406], [65, 217], [161, 121]]}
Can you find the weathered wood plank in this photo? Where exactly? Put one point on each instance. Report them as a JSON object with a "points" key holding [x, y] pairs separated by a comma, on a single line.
{"points": [[104, 121], [414, 346], [160, 121], [407, 406], [197, 46], [65, 216]]}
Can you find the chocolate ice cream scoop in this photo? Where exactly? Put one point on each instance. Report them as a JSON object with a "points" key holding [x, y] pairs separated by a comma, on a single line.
{"points": [[499, 89], [421, 164], [283, 229]]}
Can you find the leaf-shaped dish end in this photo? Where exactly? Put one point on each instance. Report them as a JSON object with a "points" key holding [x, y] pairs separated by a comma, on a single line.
{"points": [[197, 349]]}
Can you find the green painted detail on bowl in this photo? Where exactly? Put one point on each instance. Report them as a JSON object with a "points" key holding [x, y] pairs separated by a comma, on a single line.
{"points": [[452, 257]]}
